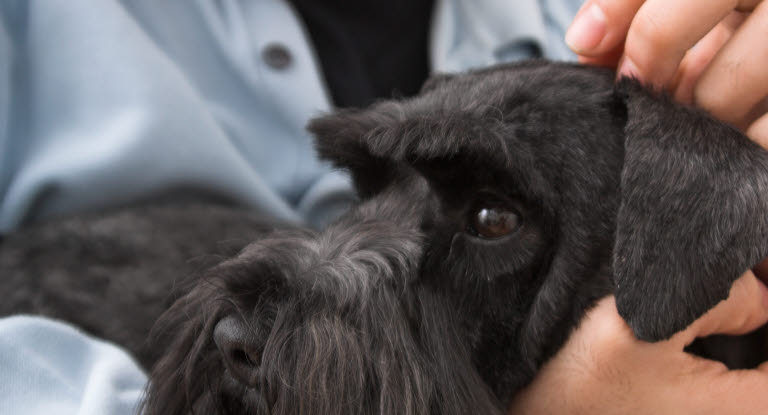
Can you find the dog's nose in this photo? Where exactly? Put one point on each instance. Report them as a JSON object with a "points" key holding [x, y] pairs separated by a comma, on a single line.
{"points": [[237, 349]]}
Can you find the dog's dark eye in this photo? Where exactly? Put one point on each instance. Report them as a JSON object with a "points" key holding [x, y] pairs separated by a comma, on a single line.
{"points": [[492, 221]]}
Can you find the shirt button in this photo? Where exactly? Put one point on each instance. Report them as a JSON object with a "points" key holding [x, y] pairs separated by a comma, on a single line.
{"points": [[276, 56]]}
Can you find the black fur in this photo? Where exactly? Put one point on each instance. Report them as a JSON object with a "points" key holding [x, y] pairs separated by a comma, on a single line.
{"points": [[400, 307], [693, 216], [114, 274]]}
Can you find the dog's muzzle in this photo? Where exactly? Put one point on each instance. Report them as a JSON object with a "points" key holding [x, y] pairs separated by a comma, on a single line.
{"points": [[240, 353]]}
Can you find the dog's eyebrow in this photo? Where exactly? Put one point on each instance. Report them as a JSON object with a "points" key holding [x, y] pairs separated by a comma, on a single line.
{"points": [[428, 137]]}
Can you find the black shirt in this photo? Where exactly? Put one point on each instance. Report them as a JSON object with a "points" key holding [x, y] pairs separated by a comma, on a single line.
{"points": [[369, 49]]}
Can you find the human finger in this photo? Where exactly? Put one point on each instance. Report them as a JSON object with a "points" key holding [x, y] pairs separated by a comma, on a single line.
{"points": [[662, 32], [609, 59], [745, 310], [698, 58], [601, 26], [737, 80]]}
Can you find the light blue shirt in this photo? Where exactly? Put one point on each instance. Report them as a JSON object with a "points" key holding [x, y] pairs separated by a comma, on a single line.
{"points": [[105, 102]]}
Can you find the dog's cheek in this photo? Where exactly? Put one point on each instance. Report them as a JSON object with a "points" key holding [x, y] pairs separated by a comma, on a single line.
{"points": [[471, 263]]}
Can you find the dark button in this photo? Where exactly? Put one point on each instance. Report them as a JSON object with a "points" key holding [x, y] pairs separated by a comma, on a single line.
{"points": [[276, 56], [533, 48], [520, 49]]}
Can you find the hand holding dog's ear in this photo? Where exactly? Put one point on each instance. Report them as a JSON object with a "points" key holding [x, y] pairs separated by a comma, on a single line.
{"points": [[723, 73], [693, 213], [604, 369]]}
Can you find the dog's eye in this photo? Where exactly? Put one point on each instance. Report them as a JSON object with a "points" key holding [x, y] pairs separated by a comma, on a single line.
{"points": [[492, 221]]}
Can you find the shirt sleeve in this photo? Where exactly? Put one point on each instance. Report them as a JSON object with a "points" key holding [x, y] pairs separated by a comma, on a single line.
{"points": [[117, 102], [48, 367]]}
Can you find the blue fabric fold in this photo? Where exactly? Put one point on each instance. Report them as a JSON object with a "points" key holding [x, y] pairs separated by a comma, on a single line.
{"points": [[48, 367]]}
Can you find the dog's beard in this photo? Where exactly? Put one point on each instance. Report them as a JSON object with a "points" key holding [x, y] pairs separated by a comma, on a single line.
{"points": [[399, 353], [186, 378], [342, 322]]}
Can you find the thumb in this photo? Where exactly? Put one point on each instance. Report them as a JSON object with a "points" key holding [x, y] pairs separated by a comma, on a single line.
{"points": [[745, 310], [601, 26]]}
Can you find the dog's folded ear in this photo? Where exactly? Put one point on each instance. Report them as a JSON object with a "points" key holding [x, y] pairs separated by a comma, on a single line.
{"points": [[693, 215], [342, 138], [388, 140]]}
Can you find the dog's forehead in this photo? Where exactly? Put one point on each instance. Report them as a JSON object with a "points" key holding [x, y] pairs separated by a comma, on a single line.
{"points": [[522, 120], [503, 116], [547, 84], [528, 126], [377, 242]]}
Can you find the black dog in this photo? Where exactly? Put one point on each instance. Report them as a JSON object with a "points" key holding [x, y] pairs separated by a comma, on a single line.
{"points": [[496, 208]]}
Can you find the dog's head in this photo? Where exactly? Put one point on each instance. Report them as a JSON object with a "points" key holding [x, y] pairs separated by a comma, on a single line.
{"points": [[497, 206], [557, 186]]}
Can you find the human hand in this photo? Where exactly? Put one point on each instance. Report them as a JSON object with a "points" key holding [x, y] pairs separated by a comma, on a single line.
{"points": [[713, 53], [603, 369]]}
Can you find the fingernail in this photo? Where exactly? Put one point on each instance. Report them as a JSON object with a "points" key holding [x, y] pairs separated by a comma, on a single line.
{"points": [[627, 68], [587, 30]]}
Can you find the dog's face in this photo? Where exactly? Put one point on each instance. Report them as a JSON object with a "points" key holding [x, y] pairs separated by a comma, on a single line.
{"points": [[557, 186], [297, 318], [497, 206]]}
